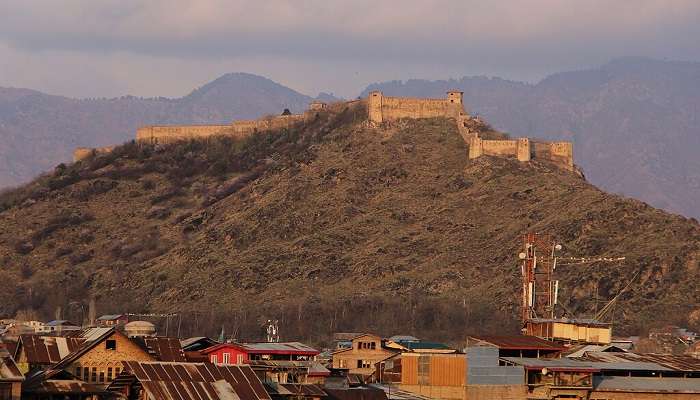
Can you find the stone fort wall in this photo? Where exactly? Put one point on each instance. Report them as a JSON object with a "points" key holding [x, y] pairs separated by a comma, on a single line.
{"points": [[380, 109], [168, 134]]}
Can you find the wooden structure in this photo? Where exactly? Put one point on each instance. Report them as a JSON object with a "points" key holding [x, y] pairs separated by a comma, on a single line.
{"points": [[366, 351]]}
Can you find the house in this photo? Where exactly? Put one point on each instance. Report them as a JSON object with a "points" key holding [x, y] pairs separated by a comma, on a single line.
{"points": [[240, 353], [366, 350], [517, 345], [41, 352], [60, 325], [99, 360], [286, 371], [155, 380], [112, 320], [11, 377]]}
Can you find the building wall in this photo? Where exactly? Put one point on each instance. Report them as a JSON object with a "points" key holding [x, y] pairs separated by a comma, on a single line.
{"points": [[82, 153], [501, 392], [102, 359], [233, 354]]}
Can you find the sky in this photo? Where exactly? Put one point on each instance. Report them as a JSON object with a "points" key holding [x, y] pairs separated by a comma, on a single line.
{"points": [[109, 48]]}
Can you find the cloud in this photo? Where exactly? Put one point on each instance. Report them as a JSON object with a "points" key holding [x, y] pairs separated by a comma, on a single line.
{"points": [[363, 38]]}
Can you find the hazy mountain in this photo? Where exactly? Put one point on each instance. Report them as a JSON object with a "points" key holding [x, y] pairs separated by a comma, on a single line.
{"points": [[635, 122], [333, 226], [39, 131]]}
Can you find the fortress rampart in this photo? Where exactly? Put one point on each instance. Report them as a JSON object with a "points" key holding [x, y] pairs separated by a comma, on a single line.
{"points": [[84, 152], [380, 109]]}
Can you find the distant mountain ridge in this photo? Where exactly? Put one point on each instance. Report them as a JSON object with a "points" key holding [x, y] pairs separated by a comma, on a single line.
{"points": [[634, 122], [39, 131]]}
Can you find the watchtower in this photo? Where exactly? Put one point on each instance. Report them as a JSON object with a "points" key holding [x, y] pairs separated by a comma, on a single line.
{"points": [[455, 96]]}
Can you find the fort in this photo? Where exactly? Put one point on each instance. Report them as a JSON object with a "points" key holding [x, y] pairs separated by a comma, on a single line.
{"points": [[380, 110]]}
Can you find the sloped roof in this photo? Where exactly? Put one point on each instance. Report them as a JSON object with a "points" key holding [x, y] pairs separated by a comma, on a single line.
{"points": [[8, 368], [425, 346], [682, 363], [268, 348], [637, 384], [47, 350], [176, 381], [197, 343], [110, 317], [162, 348], [93, 337], [516, 342]]}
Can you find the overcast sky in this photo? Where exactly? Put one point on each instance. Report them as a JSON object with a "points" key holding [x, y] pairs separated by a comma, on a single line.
{"points": [[95, 48]]}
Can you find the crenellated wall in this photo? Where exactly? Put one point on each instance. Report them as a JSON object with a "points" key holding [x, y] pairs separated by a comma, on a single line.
{"points": [[524, 149], [169, 134], [382, 108]]}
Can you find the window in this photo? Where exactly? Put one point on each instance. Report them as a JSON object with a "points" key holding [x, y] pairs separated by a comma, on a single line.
{"points": [[359, 363], [111, 344], [78, 372], [227, 358], [239, 359], [93, 377], [373, 345], [117, 370], [86, 374], [214, 359], [109, 374], [343, 363], [102, 376], [366, 364]]}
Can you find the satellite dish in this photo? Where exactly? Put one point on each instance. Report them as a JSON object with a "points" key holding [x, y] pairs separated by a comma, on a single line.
{"points": [[522, 256], [557, 247]]}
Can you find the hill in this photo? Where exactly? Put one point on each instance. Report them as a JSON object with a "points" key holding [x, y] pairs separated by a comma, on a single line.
{"points": [[332, 226], [39, 131], [634, 122]]}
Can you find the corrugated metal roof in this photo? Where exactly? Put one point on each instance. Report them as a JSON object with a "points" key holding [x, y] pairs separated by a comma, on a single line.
{"points": [[269, 348], [162, 348], [314, 368], [516, 342], [48, 350], [292, 347], [294, 389], [205, 381], [552, 363], [92, 334], [671, 362], [64, 387], [8, 368], [637, 384], [425, 346], [110, 317]]}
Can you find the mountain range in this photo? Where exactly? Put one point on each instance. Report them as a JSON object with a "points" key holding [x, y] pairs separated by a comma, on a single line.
{"points": [[634, 122]]}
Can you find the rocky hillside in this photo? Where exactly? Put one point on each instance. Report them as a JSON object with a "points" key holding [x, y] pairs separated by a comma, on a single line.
{"points": [[332, 226], [39, 131], [634, 122]]}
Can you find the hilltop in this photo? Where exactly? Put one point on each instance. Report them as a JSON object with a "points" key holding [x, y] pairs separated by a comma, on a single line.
{"points": [[332, 226], [634, 122]]}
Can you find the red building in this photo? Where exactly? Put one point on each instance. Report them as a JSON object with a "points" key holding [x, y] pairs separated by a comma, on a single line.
{"points": [[243, 353]]}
